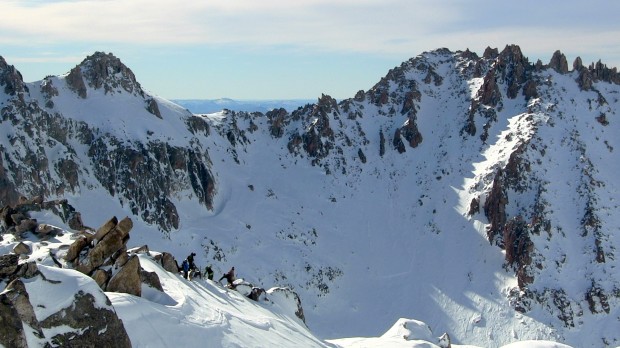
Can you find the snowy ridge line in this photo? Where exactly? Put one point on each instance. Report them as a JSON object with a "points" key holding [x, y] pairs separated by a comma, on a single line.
{"points": [[481, 187]]}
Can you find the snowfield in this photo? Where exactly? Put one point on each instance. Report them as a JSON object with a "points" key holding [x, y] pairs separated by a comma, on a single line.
{"points": [[202, 313]]}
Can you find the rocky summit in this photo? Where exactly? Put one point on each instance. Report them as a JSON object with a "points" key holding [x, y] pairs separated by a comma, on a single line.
{"points": [[476, 192]]}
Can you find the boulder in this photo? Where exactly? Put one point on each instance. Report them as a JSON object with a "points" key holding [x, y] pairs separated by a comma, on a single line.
{"points": [[89, 323], [124, 226], [101, 277], [22, 249], [127, 280], [76, 248], [140, 250], [17, 218], [20, 301], [26, 225], [44, 230], [75, 221], [27, 270], [5, 216], [8, 264], [151, 279], [120, 258], [111, 243], [257, 294], [12, 330], [169, 263], [105, 228]]}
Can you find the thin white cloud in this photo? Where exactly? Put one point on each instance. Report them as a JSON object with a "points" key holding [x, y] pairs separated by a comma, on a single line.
{"points": [[317, 23], [391, 27], [45, 59]]}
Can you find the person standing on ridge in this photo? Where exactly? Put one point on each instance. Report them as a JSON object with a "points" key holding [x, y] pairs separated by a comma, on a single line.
{"points": [[230, 277], [185, 268], [192, 265], [190, 259], [209, 272]]}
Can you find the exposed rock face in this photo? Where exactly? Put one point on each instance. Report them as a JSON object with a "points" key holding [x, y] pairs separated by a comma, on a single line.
{"points": [[410, 132], [594, 73], [514, 68], [75, 81], [152, 107], [495, 210], [278, 120], [138, 167], [518, 247], [318, 139], [105, 71], [558, 62], [12, 80]]}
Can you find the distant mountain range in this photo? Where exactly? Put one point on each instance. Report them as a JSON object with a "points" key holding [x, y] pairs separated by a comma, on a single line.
{"points": [[206, 106], [476, 193]]}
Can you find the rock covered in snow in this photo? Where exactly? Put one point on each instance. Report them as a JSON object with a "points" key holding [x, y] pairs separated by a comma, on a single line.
{"points": [[51, 308]]}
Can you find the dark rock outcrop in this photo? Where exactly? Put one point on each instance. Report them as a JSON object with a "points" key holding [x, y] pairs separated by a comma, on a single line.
{"points": [[495, 210], [168, 262], [90, 324], [101, 70], [127, 279], [518, 246], [12, 80], [559, 63], [12, 329]]}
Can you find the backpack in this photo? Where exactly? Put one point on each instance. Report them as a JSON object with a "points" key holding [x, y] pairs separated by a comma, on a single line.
{"points": [[185, 265]]}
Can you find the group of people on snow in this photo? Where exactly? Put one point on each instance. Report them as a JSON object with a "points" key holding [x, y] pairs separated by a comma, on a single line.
{"points": [[190, 270]]}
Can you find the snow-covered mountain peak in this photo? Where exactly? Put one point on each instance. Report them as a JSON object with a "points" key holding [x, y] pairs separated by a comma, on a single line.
{"points": [[473, 187], [103, 71]]}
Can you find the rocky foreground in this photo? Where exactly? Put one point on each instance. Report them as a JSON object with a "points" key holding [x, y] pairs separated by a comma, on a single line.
{"points": [[46, 299]]}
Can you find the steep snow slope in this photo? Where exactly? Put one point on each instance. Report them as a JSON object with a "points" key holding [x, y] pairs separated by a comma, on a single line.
{"points": [[185, 313]]}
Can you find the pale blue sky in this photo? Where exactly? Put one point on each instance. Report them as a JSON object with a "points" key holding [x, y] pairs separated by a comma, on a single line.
{"points": [[285, 49]]}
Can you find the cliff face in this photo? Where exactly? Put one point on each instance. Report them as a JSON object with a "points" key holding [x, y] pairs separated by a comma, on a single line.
{"points": [[67, 136], [447, 148]]}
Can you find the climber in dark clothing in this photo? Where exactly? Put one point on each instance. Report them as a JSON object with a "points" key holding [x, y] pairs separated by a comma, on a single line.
{"points": [[230, 276], [190, 259], [209, 272]]}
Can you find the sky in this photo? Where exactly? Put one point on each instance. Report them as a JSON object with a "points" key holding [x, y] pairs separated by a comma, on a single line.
{"points": [[283, 49]]}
